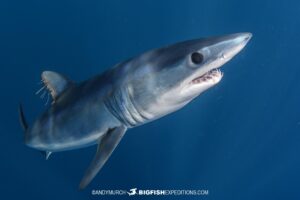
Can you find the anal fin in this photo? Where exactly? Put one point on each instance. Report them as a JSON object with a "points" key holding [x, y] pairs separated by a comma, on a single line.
{"points": [[106, 146], [46, 154]]}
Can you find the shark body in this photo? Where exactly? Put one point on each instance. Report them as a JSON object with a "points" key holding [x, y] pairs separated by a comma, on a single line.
{"points": [[134, 92]]}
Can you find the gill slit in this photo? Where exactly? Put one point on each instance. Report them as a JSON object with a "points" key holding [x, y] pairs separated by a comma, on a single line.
{"points": [[121, 105]]}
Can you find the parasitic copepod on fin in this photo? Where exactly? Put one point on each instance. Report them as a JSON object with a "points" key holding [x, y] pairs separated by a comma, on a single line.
{"points": [[55, 83]]}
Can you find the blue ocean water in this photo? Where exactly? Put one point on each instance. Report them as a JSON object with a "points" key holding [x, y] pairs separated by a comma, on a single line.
{"points": [[239, 140]]}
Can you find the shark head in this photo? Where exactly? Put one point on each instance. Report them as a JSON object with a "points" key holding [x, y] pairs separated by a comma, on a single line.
{"points": [[199, 61], [163, 80]]}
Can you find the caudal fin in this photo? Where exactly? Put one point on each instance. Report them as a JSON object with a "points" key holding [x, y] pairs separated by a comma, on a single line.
{"points": [[22, 118]]}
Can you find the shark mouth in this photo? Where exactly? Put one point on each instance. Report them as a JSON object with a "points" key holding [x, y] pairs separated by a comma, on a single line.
{"points": [[214, 76]]}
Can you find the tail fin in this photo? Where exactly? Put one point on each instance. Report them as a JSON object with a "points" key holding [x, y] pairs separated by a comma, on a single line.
{"points": [[22, 118]]}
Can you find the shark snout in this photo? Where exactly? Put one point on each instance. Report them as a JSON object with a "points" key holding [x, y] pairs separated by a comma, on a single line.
{"points": [[243, 37], [231, 45]]}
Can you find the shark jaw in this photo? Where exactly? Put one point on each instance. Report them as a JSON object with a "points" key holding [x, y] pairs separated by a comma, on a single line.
{"points": [[213, 76]]}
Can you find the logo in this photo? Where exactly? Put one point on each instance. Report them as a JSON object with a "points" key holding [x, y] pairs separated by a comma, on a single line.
{"points": [[132, 192], [152, 192]]}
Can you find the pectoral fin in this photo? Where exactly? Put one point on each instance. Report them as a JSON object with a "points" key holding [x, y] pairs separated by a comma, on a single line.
{"points": [[105, 147]]}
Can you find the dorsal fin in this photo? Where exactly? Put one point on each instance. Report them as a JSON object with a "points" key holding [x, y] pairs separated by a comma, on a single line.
{"points": [[55, 83]]}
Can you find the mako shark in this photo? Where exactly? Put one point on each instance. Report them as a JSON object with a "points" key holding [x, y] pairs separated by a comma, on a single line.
{"points": [[134, 92]]}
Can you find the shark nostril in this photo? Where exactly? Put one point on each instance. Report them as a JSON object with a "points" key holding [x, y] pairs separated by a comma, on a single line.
{"points": [[223, 56], [248, 36]]}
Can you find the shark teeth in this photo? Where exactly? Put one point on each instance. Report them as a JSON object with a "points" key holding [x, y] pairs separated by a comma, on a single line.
{"points": [[214, 75]]}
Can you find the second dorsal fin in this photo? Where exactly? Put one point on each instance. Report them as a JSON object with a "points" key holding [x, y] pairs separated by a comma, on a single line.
{"points": [[55, 83]]}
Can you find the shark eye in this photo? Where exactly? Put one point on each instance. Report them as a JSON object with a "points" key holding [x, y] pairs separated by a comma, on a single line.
{"points": [[197, 58]]}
